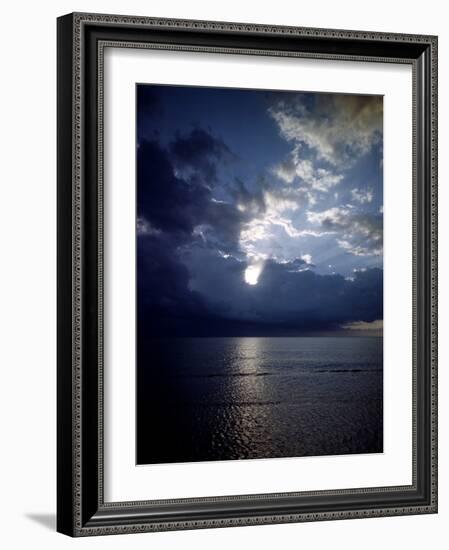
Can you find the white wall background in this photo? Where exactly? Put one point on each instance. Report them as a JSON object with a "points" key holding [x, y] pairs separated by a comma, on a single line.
{"points": [[28, 282]]}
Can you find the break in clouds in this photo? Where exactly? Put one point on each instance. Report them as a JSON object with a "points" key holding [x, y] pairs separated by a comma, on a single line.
{"points": [[258, 212]]}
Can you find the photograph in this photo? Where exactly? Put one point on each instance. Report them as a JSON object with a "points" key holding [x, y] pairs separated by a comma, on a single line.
{"points": [[259, 274]]}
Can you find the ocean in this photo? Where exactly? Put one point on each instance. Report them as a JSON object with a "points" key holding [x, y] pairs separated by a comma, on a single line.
{"points": [[208, 399]]}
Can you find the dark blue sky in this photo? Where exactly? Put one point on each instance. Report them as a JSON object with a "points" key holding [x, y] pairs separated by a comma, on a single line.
{"points": [[259, 212]]}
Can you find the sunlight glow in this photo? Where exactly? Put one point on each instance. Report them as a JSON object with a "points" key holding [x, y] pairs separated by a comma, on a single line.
{"points": [[252, 273]]}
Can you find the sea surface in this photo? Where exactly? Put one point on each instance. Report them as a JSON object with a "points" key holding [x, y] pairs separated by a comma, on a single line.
{"points": [[239, 398]]}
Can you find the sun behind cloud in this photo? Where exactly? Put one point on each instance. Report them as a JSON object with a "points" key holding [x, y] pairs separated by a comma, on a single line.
{"points": [[252, 274]]}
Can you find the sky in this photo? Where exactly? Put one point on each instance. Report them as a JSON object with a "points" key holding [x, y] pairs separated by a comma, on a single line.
{"points": [[258, 212]]}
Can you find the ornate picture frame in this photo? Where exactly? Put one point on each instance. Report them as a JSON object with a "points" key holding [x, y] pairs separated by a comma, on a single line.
{"points": [[81, 507]]}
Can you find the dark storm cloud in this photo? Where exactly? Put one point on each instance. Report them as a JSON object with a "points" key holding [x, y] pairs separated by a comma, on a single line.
{"points": [[251, 201], [200, 152], [163, 279], [196, 291], [303, 297], [288, 295], [182, 203], [175, 213], [167, 202], [166, 305]]}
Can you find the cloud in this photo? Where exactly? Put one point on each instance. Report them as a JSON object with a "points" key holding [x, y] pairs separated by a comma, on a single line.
{"points": [[143, 227], [269, 226], [376, 325], [333, 218], [287, 296], [328, 134], [360, 234], [252, 203], [196, 154], [249, 224], [278, 203], [165, 201], [362, 196], [307, 258], [286, 170], [163, 280], [177, 204], [338, 128], [273, 233], [372, 249], [317, 179]]}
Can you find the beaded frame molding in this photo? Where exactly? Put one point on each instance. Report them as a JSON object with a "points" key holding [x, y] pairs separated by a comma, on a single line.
{"points": [[81, 509]]}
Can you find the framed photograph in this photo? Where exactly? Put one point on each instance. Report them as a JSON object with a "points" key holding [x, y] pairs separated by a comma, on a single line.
{"points": [[247, 284]]}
